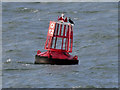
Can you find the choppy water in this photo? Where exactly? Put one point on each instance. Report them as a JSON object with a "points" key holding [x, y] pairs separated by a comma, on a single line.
{"points": [[25, 27]]}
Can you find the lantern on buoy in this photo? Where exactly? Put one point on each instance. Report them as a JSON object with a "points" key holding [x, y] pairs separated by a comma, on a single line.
{"points": [[58, 44]]}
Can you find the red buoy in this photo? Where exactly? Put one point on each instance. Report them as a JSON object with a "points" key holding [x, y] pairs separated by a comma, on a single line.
{"points": [[58, 44]]}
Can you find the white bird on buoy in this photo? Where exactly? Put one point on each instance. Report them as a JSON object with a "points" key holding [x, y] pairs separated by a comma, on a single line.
{"points": [[62, 15]]}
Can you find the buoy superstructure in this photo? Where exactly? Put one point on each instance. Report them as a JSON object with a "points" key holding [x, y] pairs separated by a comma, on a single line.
{"points": [[58, 44]]}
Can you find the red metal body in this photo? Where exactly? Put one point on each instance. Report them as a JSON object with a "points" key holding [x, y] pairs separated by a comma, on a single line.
{"points": [[59, 37], [59, 41]]}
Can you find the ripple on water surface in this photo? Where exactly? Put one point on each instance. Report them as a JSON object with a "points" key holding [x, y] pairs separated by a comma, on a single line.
{"points": [[25, 27]]}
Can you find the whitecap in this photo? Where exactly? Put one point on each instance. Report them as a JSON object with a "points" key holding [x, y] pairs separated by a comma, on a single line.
{"points": [[26, 64], [75, 12], [76, 87], [25, 8], [35, 11], [8, 60], [76, 18]]}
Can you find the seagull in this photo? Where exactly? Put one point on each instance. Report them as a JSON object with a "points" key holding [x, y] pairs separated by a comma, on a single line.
{"points": [[71, 21], [62, 15]]}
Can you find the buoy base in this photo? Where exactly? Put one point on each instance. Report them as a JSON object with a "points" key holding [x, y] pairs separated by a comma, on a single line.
{"points": [[46, 60]]}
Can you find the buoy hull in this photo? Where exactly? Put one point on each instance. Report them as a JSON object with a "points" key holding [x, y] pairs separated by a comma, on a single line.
{"points": [[46, 60]]}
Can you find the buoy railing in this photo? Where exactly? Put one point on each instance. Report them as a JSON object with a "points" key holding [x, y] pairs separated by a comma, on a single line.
{"points": [[59, 37]]}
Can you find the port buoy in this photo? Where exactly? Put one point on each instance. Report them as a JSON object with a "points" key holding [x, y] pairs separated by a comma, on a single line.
{"points": [[58, 44]]}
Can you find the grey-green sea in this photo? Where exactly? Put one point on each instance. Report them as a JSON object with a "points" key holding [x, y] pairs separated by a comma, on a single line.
{"points": [[95, 42]]}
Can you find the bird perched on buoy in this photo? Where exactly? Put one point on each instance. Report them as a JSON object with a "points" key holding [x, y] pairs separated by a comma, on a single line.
{"points": [[71, 21], [61, 19], [62, 15]]}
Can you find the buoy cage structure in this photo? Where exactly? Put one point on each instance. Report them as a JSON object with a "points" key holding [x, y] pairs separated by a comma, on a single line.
{"points": [[58, 44]]}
